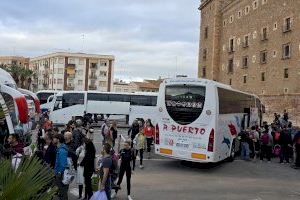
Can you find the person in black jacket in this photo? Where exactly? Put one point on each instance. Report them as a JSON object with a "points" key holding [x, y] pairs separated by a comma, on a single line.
{"points": [[88, 166], [285, 141], [50, 151], [133, 131]]}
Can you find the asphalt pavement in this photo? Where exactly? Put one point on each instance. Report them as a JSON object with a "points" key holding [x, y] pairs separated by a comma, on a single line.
{"points": [[167, 179]]}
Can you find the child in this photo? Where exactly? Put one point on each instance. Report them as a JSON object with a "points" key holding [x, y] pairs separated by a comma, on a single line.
{"points": [[126, 156], [140, 145]]}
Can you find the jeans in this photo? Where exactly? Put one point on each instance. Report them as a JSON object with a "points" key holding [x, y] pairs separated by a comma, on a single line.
{"points": [[123, 169], [88, 186], [266, 151], [141, 158], [107, 189], [62, 188], [284, 155], [245, 151], [149, 143]]}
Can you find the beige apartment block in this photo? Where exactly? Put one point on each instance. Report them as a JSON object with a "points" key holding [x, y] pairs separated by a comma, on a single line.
{"points": [[253, 45], [14, 60], [73, 71], [121, 86]]}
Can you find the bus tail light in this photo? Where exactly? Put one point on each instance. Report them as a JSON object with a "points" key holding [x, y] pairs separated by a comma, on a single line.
{"points": [[211, 141], [37, 106], [22, 109], [157, 134]]}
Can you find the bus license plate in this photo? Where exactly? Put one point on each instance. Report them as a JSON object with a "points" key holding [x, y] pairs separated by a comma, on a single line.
{"points": [[181, 145]]}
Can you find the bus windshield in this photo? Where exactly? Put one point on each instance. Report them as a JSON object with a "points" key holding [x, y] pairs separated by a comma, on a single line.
{"points": [[184, 103]]}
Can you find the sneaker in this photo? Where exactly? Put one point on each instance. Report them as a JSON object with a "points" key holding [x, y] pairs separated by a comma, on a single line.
{"points": [[141, 167], [113, 195], [129, 197]]}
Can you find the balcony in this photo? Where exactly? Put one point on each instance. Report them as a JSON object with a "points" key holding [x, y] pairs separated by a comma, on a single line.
{"points": [[70, 66], [93, 77], [70, 86], [92, 87], [93, 66], [71, 76], [286, 28]]}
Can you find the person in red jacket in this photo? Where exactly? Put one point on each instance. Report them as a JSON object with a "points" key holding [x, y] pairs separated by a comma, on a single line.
{"points": [[149, 133]]}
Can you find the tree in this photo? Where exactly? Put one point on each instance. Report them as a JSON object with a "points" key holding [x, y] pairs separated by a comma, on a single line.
{"points": [[21, 75], [32, 180], [25, 75]]}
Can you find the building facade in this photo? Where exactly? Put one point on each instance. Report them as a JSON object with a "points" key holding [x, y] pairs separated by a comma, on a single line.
{"points": [[14, 60], [121, 86], [253, 45], [145, 86], [73, 71]]}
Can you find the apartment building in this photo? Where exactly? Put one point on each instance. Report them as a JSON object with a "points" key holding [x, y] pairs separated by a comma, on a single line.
{"points": [[73, 71], [14, 60], [145, 86], [253, 45]]}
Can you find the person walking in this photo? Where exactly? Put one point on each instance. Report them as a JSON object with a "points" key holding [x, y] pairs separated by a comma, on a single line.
{"points": [[126, 156], [149, 133], [140, 146], [114, 132], [105, 179], [88, 164], [105, 131], [71, 148], [80, 152], [60, 166], [254, 142], [245, 151], [266, 146]]}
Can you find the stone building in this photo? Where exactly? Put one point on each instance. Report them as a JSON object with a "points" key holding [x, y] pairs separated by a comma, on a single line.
{"points": [[253, 45], [14, 60], [73, 71]]}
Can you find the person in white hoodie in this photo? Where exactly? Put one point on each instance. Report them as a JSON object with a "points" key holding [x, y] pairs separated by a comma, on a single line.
{"points": [[80, 152]]}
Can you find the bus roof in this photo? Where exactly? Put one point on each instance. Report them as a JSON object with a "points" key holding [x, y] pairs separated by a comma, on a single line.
{"points": [[48, 91], [99, 92], [205, 82]]}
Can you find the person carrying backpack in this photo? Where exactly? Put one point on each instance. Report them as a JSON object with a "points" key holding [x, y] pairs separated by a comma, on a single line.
{"points": [[266, 146]]}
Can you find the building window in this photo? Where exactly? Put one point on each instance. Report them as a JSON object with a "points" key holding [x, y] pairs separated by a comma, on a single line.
{"points": [[231, 45], [204, 54], [264, 2], [287, 25], [230, 65], [245, 61], [54, 81], [61, 61], [204, 72], [246, 41], [60, 71], [240, 14], [206, 33], [244, 79], [263, 57], [59, 81], [286, 73], [80, 82], [224, 23], [103, 63], [81, 61], [255, 4], [263, 78], [79, 72], [247, 10], [275, 26], [286, 90], [102, 83], [264, 34], [230, 81], [231, 19], [286, 51]]}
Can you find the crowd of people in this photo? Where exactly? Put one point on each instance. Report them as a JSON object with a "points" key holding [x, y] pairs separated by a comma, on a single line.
{"points": [[72, 154], [279, 139]]}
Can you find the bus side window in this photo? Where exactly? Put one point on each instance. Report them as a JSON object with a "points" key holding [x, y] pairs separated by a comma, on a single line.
{"points": [[58, 105]]}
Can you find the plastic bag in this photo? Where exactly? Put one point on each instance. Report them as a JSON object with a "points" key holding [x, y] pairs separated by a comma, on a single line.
{"points": [[99, 196]]}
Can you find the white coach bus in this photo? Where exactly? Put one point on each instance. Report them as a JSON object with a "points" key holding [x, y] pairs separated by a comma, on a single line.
{"points": [[45, 97], [67, 104], [199, 120]]}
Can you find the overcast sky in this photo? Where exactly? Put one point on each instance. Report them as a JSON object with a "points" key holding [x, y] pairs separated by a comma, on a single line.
{"points": [[147, 37]]}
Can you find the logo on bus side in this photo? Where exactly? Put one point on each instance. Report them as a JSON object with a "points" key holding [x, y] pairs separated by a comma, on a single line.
{"points": [[184, 129]]}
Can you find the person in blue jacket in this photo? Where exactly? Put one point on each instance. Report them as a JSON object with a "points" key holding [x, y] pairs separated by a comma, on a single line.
{"points": [[60, 165]]}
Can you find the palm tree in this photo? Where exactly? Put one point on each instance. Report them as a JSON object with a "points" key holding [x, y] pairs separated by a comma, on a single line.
{"points": [[30, 181], [15, 71], [25, 75]]}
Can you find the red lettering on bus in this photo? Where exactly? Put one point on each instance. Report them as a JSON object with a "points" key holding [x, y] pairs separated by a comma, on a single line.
{"points": [[173, 128], [165, 127], [191, 129], [185, 129]]}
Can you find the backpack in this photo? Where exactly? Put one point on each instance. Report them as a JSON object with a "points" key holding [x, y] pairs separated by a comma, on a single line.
{"points": [[276, 136], [265, 139]]}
